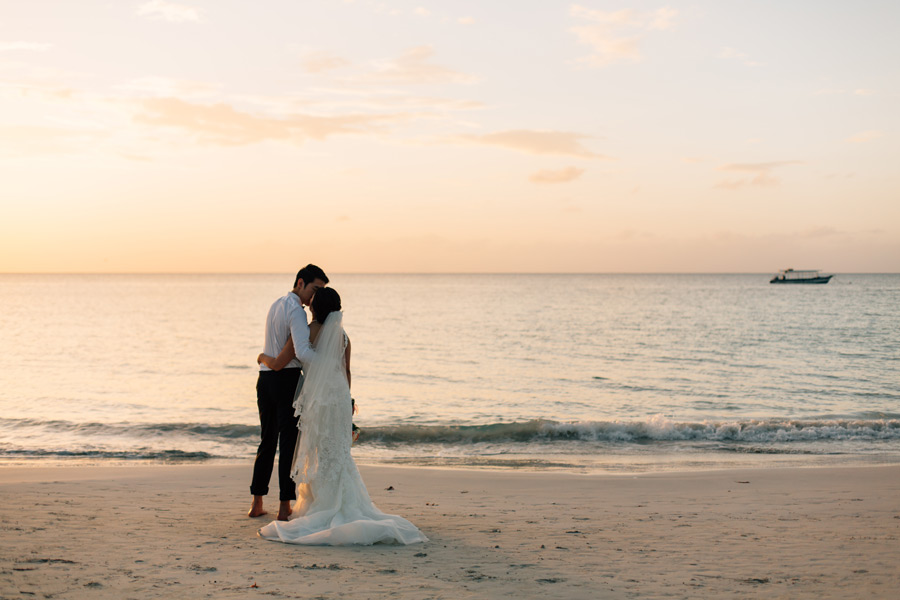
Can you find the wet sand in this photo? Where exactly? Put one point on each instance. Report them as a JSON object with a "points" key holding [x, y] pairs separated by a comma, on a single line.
{"points": [[182, 532]]}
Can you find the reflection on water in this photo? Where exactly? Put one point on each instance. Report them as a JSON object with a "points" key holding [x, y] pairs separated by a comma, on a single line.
{"points": [[162, 366]]}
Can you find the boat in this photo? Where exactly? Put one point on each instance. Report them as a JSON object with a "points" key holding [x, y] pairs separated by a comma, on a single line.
{"points": [[795, 276]]}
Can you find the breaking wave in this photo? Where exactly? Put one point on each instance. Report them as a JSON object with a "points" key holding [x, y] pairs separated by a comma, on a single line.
{"points": [[655, 429], [21, 438], [652, 430]]}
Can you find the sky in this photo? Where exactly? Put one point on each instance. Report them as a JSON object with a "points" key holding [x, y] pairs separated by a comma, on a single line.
{"points": [[449, 136]]}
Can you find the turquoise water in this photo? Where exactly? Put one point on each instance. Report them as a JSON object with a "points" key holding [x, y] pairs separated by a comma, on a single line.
{"points": [[584, 372]]}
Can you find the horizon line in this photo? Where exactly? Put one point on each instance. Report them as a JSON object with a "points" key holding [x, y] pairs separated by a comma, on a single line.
{"points": [[481, 273]]}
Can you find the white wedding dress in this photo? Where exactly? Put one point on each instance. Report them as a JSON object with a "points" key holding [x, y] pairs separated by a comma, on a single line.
{"points": [[333, 507]]}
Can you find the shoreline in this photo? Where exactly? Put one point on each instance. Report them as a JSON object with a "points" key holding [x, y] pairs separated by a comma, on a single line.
{"points": [[159, 531], [622, 464], [642, 445]]}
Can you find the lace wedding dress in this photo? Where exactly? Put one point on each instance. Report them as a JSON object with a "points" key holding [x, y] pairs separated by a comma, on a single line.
{"points": [[333, 507]]}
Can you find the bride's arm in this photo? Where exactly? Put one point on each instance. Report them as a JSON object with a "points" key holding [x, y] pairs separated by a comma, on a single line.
{"points": [[284, 357], [347, 361]]}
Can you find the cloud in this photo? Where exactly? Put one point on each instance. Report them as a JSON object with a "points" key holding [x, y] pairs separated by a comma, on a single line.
{"points": [[838, 92], [213, 115], [224, 125], [828, 92], [415, 67], [320, 62], [135, 157], [26, 140], [44, 92], [168, 11], [166, 87], [561, 143], [760, 174], [732, 54], [31, 46], [760, 179], [625, 16], [820, 232], [865, 136], [758, 167], [368, 99], [557, 176], [663, 18], [616, 36], [465, 20], [380, 84]]}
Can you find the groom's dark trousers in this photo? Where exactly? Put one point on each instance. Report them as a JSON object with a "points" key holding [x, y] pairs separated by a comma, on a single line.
{"points": [[275, 400]]}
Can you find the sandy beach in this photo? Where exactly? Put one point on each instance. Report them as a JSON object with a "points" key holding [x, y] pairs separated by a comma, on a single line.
{"points": [[181, 531]]}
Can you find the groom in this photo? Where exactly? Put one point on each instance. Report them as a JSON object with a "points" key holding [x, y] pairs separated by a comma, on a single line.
{"points": [[275, 390]]}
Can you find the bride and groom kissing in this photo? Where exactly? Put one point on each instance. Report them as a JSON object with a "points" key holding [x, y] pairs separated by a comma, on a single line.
{"points": [[304, 371]]}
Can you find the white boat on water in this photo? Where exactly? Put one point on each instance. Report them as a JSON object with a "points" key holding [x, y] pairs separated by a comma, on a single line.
{"points": [[795, 276]]}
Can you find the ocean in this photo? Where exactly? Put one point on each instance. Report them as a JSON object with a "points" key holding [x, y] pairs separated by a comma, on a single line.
{"points": [[581, 373]]}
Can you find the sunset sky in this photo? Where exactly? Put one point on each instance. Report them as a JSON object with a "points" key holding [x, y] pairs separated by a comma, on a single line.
{"points": [[449, 136]]}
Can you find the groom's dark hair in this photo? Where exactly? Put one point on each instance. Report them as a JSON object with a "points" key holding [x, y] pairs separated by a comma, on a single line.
{"points": [[310, 273]]}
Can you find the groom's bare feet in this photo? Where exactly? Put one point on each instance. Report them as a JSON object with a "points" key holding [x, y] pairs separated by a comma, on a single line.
{"points": [[256, 509], [284, 510]]}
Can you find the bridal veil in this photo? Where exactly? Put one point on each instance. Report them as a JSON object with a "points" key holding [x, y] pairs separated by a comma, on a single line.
{"points": [[333, 506]]}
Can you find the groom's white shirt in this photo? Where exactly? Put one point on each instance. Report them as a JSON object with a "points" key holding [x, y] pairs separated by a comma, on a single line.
{"points": [[287, 318]]}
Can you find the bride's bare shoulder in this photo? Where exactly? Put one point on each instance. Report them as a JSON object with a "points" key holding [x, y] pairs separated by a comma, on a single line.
{"points": [[314, 329]]}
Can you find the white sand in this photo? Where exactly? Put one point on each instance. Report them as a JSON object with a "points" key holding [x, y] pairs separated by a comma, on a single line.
{"points": [[181, 532]]}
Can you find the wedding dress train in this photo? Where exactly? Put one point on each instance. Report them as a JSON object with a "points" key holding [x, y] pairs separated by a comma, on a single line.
{"points": [[333, 507]]}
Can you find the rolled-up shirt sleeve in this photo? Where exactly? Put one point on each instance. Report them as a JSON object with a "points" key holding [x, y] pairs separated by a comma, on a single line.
{"points": [[300, 334]]}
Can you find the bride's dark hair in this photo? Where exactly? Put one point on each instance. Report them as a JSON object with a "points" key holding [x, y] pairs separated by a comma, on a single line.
{"points": [[325, 302]]}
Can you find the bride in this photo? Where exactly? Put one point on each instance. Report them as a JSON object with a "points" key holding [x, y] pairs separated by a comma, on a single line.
{"points": [[333, 507]]}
